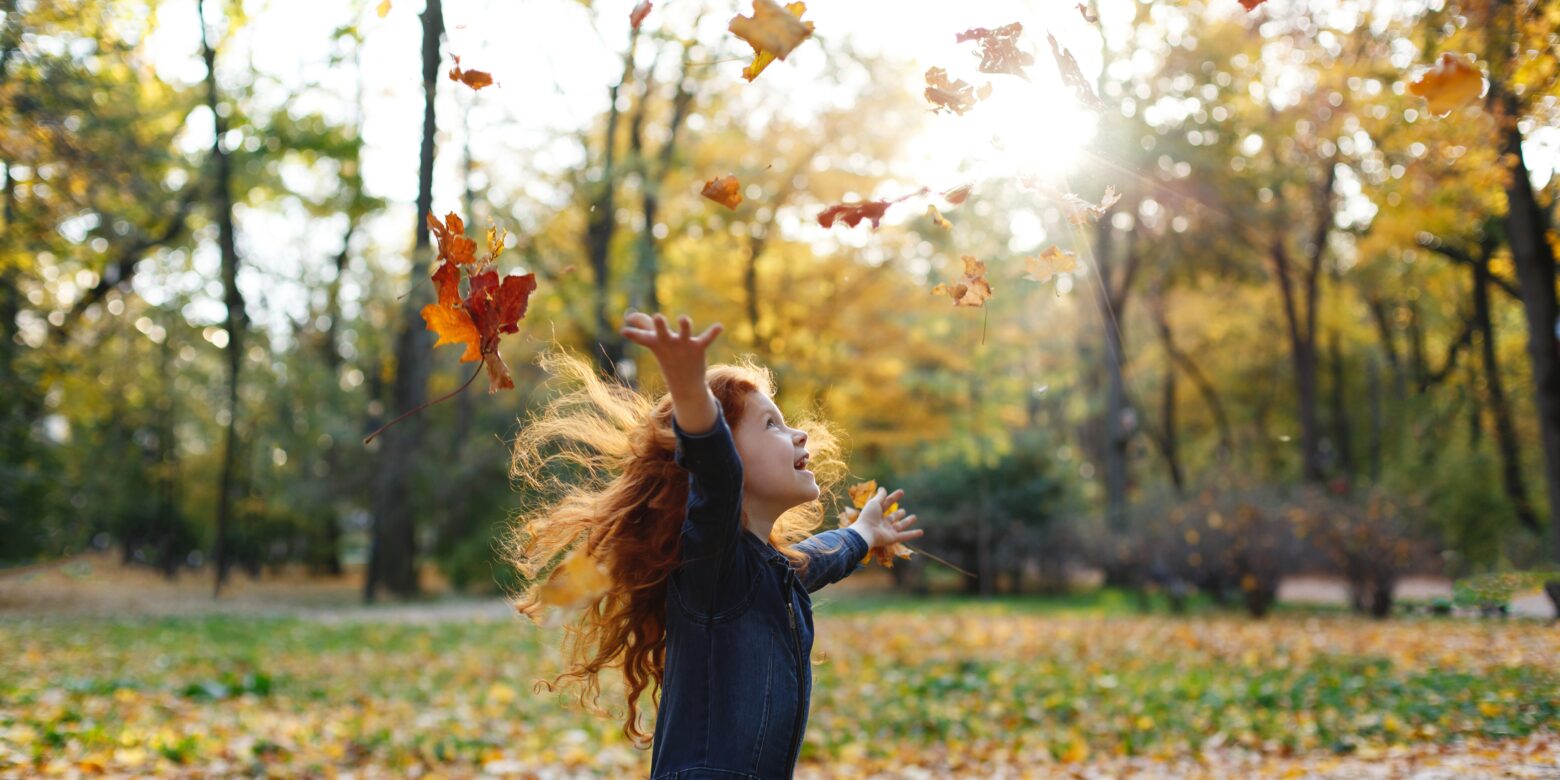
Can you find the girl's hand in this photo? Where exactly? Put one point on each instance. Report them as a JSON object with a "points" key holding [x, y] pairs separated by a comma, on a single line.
{"points": [[880, 531], [681, 356]]}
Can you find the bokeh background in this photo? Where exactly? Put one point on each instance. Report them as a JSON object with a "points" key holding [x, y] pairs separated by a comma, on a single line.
{"points": [[1267, 485]]}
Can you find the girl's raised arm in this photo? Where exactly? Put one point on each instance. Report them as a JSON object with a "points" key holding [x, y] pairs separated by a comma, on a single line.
{"points": [[681, 356]]}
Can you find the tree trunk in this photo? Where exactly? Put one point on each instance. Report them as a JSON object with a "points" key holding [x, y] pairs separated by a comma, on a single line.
{"points": [[1302, 327], [237, 319], [1170, 437], [393, 556], [1506, 442], [601, 223], [1343, 434]]}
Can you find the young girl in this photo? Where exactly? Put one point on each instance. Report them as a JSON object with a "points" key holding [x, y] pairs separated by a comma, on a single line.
{"points": [[694, 513]]}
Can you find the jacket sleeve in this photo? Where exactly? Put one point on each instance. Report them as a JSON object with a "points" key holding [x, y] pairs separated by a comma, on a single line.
{"points": [[710, 556], [834, 556]]}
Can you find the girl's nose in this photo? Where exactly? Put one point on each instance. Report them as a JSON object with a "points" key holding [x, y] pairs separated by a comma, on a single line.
{"points": [[801, 438]]}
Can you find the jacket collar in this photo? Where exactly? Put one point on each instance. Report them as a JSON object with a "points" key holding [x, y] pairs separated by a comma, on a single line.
{"points": [[765, 549]]}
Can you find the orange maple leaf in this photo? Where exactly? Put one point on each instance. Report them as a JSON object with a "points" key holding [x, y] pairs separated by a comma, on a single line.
{"points": [[725, 190], [1454, 82], [772, 31], [956, 96], [453, 244], [999, 52], [475, 79], [454, 326], [972, 289]]}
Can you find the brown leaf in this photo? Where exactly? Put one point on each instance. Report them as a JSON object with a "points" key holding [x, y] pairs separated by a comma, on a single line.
{"points": [[999, 49], [853, 213], [972, 289], [1090, 17], [637, 16], [475, 79], [956, 96], [725, 190], [772, 31]]}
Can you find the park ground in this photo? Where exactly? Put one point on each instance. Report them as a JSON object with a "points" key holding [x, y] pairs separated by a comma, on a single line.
{"points": [[115, 672]]}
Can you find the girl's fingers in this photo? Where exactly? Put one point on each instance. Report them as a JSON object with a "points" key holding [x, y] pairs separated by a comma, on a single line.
{"points": [[641, 337], [893, 498], [639, 320], [708, 335], [914, 533], [684, 327]]}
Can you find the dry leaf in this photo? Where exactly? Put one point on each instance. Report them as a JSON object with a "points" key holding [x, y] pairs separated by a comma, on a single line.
{"points": [[1081, 212], [860, 494], [852, 213], [1090, 17], [1454, 82], [384, 8], [937, 218], [1251, 5], [959, 194], [577, 581], [772, 31], [999, 52], [725, 190], [1049, 263], [1072, 76], [972, 289], [956, 96], [475, 79], [637, 16]]}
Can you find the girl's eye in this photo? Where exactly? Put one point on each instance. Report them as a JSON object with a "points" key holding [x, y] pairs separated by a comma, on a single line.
{"points": [[771, 422]]}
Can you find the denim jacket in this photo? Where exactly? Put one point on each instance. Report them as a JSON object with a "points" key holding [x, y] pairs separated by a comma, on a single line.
{"points": [[739, 629]]}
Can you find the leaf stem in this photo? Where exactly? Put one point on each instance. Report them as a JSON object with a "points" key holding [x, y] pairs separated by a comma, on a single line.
{"points": [[440, 399]]}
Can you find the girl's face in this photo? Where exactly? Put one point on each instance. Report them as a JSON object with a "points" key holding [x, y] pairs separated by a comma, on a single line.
{"points": [[774, 466]]}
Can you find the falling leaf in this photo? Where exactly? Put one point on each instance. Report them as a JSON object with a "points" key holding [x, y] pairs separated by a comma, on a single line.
{"points": [[972, 289], [453, 244], [637, 16], [475, 79], [852, 213], [772, 31], [959, 194], [1049, 263], [725, 190], [999, 49], [937, 218], [492, 307], [1090, 17], [1454, 82], [860, 494], [1081, 212], [1251, 5], [384, 8], [577, 581], [956, 96], [1072, 76]]}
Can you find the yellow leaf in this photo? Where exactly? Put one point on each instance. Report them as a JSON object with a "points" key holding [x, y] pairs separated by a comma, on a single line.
{"points": [[937, 218], [1049, 263], [384, 8], [1454, 82]]}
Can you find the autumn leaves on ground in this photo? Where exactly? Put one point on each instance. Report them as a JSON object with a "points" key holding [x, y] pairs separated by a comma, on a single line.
{"points": [[942, 687]]}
